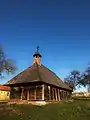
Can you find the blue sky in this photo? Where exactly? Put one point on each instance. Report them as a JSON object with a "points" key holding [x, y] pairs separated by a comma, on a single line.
{"points": [[60, 28]]}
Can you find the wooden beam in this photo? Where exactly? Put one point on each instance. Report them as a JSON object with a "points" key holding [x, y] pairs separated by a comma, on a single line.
{"points": [[42, 92]]}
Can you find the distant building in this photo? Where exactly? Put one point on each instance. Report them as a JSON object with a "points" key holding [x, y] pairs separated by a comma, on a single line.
{"points": [[4, 92], [38, 83], [81, 94]]}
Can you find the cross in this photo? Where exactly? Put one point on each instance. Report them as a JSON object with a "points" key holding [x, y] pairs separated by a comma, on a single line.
{"points": [[37, 48]]}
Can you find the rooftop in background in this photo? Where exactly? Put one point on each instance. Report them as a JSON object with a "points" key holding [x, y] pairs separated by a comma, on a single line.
{"points": [[4, 88]]}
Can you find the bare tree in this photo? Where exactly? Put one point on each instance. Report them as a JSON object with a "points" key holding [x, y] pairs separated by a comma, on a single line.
{"points": [[6, 65], [86, 78], [73, 79]]}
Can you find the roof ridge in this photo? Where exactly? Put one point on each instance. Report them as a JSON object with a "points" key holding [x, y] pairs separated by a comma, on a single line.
{"points": [[38, 72]]}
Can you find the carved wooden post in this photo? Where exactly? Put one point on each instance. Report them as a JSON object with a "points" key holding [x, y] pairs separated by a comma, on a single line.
{"points": [[22, 90], [49, 93], [61, 94], [35, 92], [42, 92], [64, 94], [28, 94], [53, 89], [56, 93]]}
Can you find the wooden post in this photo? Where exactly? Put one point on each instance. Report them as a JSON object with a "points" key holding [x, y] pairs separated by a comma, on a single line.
{"points": [[49, 93], [53, 89], [62, 95], [66, 95], [56, 93], [42, 92], [35, 92], [22, 93], [28, 94]]}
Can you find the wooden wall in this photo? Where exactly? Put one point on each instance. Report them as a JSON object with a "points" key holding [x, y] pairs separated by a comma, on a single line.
{"points": [[39, 93]]}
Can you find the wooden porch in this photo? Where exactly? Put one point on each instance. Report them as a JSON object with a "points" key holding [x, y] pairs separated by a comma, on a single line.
{"points": [[41, 93]]}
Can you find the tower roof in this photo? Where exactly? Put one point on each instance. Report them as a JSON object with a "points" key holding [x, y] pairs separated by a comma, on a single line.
{"points": [[36, 73]]}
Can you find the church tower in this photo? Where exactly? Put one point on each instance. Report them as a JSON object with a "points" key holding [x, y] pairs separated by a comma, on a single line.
{"points": [[37, 57]]}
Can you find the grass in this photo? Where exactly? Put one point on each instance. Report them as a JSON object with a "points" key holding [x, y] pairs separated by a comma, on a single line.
{"points": [[76, 110]]}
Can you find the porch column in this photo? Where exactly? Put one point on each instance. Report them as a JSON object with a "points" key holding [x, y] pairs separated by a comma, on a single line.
{"points": [[42, 92], [61, 94], [49, 93], [35, 92], [64, 95], [53, 90], [28, 94], [56, 93], [22, 90]]}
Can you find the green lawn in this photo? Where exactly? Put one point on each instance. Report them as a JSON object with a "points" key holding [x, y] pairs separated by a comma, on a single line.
{"points": [[76, 110]]}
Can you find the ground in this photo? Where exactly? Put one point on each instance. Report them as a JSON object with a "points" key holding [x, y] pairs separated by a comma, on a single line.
{"points": [[76, 110]]}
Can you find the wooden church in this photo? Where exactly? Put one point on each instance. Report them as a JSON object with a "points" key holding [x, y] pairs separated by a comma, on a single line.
{"points": [[38, 83]]}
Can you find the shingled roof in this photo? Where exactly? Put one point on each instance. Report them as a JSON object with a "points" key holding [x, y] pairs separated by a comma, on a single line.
{"points": [[37, 73]]}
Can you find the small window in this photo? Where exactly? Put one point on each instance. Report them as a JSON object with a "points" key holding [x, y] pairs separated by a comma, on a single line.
{"points": [[7, 93]]}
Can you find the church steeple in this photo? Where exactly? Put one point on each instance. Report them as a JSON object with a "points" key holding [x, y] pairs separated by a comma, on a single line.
{"points": [[37, 56]]}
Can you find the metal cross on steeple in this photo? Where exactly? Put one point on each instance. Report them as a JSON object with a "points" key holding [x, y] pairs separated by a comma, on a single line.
{"points": [[37, 48]]}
